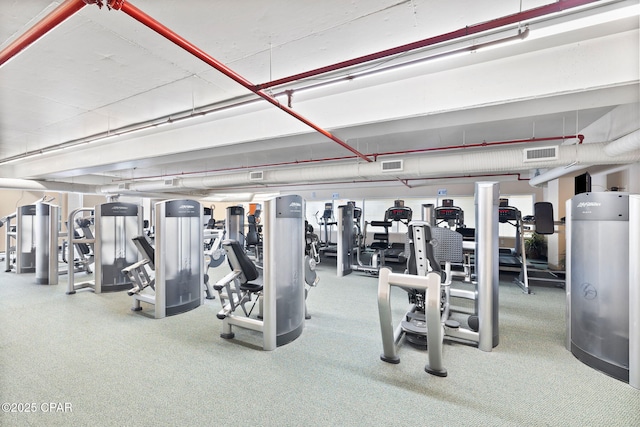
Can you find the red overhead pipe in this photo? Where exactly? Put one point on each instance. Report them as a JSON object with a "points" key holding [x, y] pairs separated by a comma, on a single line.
{"points": [[52, 20], [537, 12], [145, 19]]}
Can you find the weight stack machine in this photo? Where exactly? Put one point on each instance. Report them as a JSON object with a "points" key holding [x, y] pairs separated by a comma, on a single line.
{"points": [[603, 283]]}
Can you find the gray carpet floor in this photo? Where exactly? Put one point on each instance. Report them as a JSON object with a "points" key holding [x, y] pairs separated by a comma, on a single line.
{"points": [[101, 364]]}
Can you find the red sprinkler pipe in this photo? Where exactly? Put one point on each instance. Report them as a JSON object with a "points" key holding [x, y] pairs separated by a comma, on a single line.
{"points": [[145, 19], [558, 6], [46, 24]]}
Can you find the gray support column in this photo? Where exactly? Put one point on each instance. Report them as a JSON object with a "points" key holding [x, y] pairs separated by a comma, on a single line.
{"points": [[8, 236], [269, 294], [429, 214], [46, 240], [160, 305], [568, 257], [487, 201], [389, 353], [345, 240], [634, 290]]}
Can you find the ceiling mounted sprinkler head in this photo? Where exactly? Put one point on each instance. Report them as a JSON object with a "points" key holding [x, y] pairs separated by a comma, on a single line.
{"points": [[114, 4]]}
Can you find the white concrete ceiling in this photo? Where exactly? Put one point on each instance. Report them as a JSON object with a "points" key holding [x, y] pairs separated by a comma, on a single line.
{"points": [[101, 72]]}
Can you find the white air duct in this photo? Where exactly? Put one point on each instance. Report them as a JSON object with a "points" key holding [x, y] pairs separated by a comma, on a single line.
{"points": [[457, 162], [30, 185], [629, 143], [623, 145], [555, 174]]}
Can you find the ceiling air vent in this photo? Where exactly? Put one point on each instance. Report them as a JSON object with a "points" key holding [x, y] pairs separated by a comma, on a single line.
{"points": [[170, 182], [540, 154], [256, 176], [123, 186], [392, 166]]}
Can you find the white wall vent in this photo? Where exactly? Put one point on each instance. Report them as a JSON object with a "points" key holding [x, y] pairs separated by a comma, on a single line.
{"points": [[392, 166], [170, 182], [123, 186], [540, 154], [256, 176]]}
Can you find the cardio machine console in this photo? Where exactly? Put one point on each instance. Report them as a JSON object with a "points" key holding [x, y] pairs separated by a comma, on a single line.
{"points": [[399, 214], [447, 213], [507, 213]]}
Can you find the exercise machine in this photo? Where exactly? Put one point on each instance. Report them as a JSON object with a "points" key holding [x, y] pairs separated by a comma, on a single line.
{"points": [[399, 213], [428, 320], [254, 234], [108, 246], [541, 223], [214, 253], [452, 217], [173, 269], [32, 241], [603, 283], [279, 291], [3, 221], [349, 246], [20, 242], [311, 242], [352, 253], [115, 224], [427, 283], [77, 249], [235, 224], [514, 259], [311, 260], [326, 247]]}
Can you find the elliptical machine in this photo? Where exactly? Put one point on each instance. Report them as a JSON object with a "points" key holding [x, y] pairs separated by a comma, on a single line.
{"points": [[327, 221]]}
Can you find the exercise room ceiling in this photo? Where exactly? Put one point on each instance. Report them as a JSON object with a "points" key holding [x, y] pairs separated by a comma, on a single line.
{"points": [[103, 100]]}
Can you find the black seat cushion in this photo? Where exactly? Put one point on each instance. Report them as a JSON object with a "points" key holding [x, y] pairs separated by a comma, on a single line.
{"points": [[248, 268], [379, 245]]}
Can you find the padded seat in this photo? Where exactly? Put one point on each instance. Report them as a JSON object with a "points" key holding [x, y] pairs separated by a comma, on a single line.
{"points": [[380, 240], [379, 245], [236, 289], [248, 268]]}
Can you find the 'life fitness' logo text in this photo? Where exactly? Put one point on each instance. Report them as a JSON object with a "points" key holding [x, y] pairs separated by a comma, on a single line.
{"points": [[588, 204]]}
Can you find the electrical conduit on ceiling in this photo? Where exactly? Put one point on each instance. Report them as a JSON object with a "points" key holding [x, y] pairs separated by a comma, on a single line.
{"points": [[555, 7]]}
